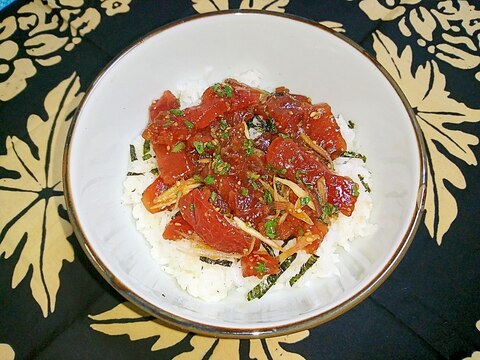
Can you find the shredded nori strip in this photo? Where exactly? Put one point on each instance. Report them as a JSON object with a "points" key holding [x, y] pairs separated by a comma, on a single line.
{"points": [[351, 124], [365, 185], [352, 154], [133, 154], [154, 171], [134, 173], [258, 291], [146, 150], [221, 262], [303, 269], [269, 250]]}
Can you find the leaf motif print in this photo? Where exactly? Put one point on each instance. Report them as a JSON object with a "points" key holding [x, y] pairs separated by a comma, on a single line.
{"points": [[206, 6], [33, 222], [269, 5], [137, 325], [126, 319], [439, 117]]}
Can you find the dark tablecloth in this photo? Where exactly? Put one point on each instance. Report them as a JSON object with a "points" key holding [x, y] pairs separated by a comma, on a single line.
{"points": [[54, 305]]}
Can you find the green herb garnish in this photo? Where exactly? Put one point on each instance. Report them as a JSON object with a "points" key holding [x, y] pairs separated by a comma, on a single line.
{"points": [[304, 200], [297, 175], [154, 171], [177, 112], [213, 196], [209, 180], [283, 136], [167, 123], [270, 228], [261, 268], [189, 124], [355, 189], [328, 210], [248, 146], [243, 191], [178, 147], [199, 147], [191, 206], [219, 166], [209, 145], [223, 90], [197, 177], [268, 197]]}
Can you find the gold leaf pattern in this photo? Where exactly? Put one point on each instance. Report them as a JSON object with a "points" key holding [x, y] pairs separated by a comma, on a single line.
{"points": [[7, 352], [51, 28], [126, 319], [206, 6], [269, 5], [438, 27], [338, 27], [31, 223], [434, 108]]}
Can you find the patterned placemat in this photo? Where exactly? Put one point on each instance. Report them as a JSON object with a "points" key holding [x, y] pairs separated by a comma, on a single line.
{"points": [[55, 305]]}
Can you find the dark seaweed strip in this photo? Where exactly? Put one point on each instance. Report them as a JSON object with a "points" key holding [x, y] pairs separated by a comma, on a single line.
{"points": [[146, 150], [221, 262], [303, 269], [353, 154], [134, 173], [269, 250], [365, 185], [258, 291], [133, 154]]}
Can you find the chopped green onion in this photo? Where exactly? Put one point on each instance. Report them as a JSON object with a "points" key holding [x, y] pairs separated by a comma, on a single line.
{"points": [[355, 189], [219, 166], [248, 146], [154, 171], [221, 262], [270, 226], [189, 124], [213, 196], [209, 180], [303, 269], [177, 112], [197, 177], [283, 136], [146, 150], [223, 124], [328, 210], [178, 147], [297, 175], [223, 90], [261, 268], [352, 154], [209, 146], [258, 291], [199, 147], [282, 171], [304, 200], [224, 135], [244, 192], [268, 197], [133, 154], [191, 206]]}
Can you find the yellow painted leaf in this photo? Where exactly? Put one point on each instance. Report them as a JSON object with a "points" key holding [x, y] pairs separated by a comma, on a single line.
{"points": [[126, 319], [269, 5], [206, 6], [440, 118], [257, 349], [33, 209]]}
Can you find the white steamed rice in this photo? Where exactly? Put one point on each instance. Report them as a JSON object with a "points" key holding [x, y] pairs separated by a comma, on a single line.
{"points": [[213, 282]]}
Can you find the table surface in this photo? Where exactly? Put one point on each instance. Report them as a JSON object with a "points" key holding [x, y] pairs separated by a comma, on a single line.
{"points": [[54, 305]]}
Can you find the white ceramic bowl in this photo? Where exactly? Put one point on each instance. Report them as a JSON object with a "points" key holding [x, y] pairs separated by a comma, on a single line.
{"points": [[299, 54]]}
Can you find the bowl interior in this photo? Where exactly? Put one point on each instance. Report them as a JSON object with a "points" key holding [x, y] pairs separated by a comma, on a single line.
{"points": [[299, 55]]}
